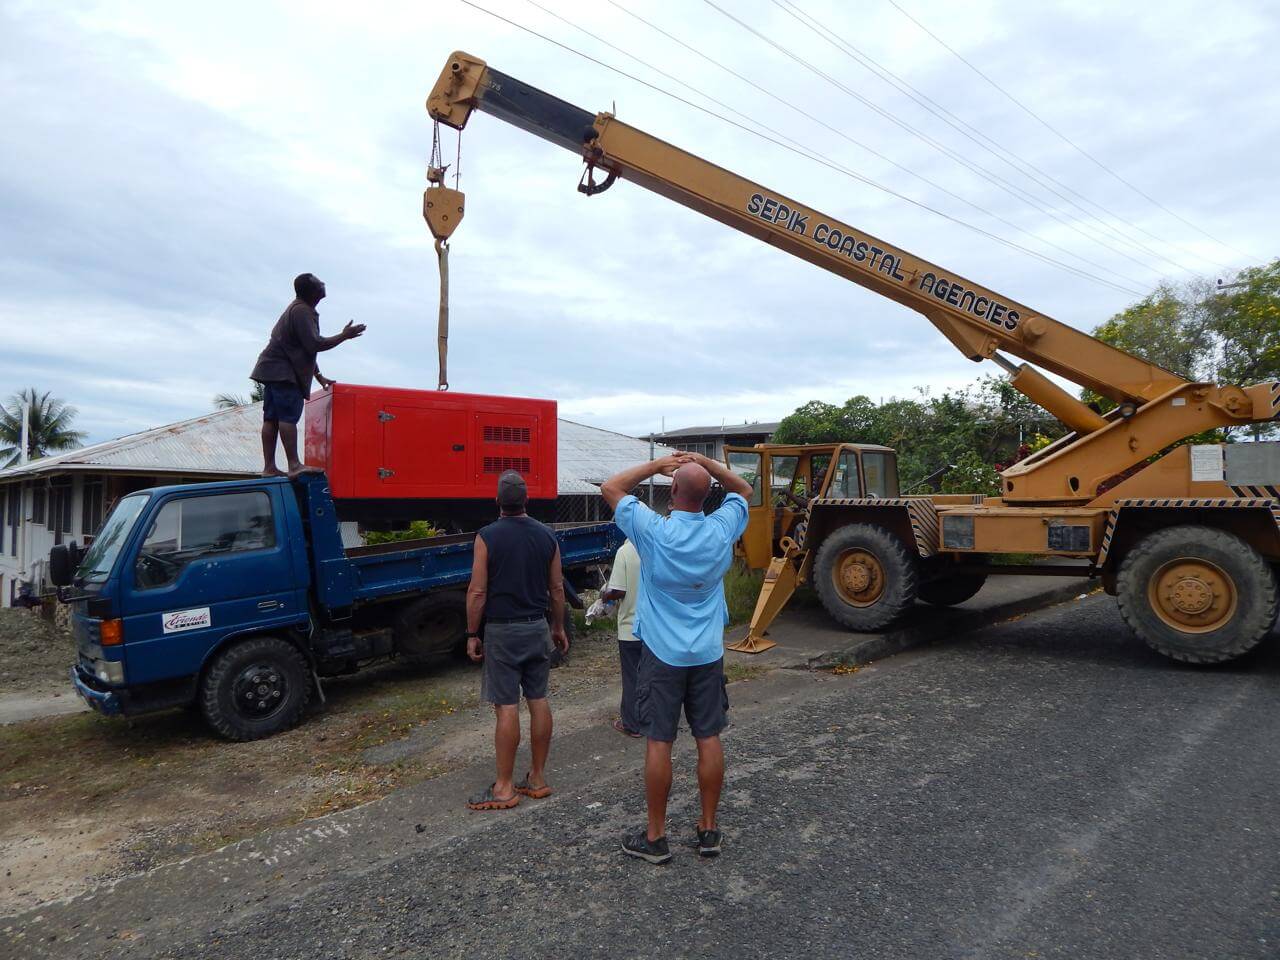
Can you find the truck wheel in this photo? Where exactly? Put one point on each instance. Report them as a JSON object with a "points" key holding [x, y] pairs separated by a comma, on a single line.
{"points": [[1197, 594], [865, 577], [430, 626], [948, 591], [255, 688]]}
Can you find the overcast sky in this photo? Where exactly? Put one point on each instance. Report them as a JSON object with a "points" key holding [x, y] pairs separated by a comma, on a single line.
{"points": [[168, 168]]}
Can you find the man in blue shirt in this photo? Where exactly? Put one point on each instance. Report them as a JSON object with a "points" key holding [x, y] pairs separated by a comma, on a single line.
{"points": [[680, 618]]}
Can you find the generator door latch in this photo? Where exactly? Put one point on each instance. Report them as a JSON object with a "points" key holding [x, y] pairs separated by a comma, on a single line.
{"points": [[384, 473], [384, 416]]}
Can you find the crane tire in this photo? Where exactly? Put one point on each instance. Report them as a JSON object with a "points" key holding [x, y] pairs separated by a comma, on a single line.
{"points": [[865, 576], [1197, 594], [255, 688]]}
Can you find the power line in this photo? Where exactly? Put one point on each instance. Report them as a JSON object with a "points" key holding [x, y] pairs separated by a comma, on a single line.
{"points": [[1005, 155], [802, 152], [840, 133], [973, 167], [1064, 138]]}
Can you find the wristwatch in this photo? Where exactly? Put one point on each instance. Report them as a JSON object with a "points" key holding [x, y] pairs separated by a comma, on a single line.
{"points": [[471, 633]]}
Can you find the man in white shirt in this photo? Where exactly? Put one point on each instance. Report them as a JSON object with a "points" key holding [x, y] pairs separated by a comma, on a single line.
{"points": [[624, 585]]}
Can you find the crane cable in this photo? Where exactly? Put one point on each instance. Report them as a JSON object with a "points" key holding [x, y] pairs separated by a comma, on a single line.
{"points": [[439, 205]]}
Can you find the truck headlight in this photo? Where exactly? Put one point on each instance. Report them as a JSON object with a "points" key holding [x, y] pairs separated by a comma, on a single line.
{"points": [[109, 671]]}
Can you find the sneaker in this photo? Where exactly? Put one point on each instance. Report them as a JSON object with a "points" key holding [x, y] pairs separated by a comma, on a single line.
{"points": [[639, 845], [709, 842]]}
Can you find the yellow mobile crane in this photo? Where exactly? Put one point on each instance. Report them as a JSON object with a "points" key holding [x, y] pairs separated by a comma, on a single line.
{"points": [[1189, 543]]}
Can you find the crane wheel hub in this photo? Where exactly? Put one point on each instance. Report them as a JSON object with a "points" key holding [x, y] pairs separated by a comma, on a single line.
{"points": [[1193, 595], [858, 577]]}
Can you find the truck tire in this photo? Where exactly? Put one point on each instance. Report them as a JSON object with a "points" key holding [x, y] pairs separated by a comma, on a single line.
{"points": [[430, 626], [1197, 594], [255, 688], [865, 576], [948, 591]]}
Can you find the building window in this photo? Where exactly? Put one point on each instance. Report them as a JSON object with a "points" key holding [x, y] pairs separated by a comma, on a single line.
{"points": [[60, 508], [15, 508], [91, 508], [4, 495], [37, 502]]}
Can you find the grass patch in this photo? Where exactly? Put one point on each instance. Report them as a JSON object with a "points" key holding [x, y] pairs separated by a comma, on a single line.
{"points": [[736, 672], [741, 589]]}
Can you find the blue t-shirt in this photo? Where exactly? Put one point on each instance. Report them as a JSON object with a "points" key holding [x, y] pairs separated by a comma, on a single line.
{"points": [[681, 612]]}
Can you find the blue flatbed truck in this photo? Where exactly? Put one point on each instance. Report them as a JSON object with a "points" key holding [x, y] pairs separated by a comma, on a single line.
{"points": [[238, 597]]}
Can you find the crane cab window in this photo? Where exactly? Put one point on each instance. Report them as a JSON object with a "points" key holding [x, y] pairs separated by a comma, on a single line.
{"points": [[783, 480], [881, 470], [845, 482], [192, 528], [747, 466]]}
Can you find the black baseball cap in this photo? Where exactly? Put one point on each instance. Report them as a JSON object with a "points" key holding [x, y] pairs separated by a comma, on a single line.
{"points": [[513, 492]]}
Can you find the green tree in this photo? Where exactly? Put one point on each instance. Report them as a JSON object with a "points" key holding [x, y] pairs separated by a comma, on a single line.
{"points": [[1247, 322], [49, 426], [225, 401]]}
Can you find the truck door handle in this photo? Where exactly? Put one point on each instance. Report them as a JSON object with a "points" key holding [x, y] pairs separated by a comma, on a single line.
{"points": [[269, 604], [458, 448]]}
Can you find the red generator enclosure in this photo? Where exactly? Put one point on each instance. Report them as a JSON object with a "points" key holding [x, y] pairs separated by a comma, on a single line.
{"points": [[389, 443]]}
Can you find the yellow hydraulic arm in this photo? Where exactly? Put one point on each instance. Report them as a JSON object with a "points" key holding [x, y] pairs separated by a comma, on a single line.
{"points": [[1156, 407]]}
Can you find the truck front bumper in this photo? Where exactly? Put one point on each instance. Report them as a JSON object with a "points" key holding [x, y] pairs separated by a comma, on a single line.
{"points": [[94, 693]]}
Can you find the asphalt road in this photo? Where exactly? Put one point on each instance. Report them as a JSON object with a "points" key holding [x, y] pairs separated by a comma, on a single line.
{"points": [[1042, 788]]}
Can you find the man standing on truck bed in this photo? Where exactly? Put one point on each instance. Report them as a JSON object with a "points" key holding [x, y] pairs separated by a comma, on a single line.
{"points": [[286, 367], [515, 572], [680, 619]]}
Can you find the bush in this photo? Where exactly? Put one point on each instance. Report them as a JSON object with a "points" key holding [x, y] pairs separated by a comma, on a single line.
{"points": [[741, 588], [418, 530]]}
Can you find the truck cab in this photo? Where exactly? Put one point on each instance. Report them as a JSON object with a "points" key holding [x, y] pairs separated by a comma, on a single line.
{"points": [[800, 473], [179, 572]]}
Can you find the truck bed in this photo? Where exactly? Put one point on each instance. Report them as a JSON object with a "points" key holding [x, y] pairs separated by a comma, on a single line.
{"points": [[387, 569]]}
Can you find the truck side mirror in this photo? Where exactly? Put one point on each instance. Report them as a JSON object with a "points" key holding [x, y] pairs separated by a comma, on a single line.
{"points": [[61, 569]]}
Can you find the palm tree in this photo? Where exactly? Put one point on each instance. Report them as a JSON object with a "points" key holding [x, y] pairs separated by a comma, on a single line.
{"points": [[225, 401], [49, 426]]}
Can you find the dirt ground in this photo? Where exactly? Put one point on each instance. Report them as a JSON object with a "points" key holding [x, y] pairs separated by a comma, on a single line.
{"points": [[86, 799], [34, 655]]}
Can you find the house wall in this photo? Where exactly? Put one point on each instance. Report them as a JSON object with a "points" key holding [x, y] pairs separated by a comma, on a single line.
{"points": [[25, 557]]}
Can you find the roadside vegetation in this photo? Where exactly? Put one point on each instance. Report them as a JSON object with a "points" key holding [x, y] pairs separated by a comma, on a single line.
{"points": [[957, 442]]}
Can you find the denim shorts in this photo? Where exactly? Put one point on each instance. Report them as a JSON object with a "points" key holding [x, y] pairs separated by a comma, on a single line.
{"points": [[282, 402], [662, 691]]}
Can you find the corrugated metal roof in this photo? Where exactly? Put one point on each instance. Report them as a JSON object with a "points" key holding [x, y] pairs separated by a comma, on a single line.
{"points": [[227, 443], [728, 430]]}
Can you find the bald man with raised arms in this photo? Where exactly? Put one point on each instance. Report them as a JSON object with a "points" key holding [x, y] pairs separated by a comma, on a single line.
{"points": [[680, 619]]}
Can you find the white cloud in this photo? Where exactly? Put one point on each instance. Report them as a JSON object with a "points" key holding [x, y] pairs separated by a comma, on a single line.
{"points": [[167, 169]]}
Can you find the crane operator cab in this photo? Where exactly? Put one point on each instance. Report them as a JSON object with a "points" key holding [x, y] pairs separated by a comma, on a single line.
{"points": [[797, 475]]}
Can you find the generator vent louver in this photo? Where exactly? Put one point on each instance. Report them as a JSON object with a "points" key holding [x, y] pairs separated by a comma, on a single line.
{"points": [[500, 434], [499, 464]]}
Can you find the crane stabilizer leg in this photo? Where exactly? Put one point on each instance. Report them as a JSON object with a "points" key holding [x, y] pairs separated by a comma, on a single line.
{"points": [[779, 584], [442, 208]]}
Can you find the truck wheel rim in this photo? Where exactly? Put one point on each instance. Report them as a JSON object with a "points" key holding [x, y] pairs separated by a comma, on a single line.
{"points": [[1193, 595], [858, 577], [259, 691]]}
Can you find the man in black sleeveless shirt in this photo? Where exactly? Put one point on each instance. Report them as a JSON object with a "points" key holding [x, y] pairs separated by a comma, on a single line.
{"points": [[515, 574]]}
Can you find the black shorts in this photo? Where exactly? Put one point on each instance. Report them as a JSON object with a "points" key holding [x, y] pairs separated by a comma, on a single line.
{"points": [[662, 690], [516, 659], [282, 402]]}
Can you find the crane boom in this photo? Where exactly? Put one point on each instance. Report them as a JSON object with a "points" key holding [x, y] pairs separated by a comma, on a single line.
{"points": [[1157, 407]]}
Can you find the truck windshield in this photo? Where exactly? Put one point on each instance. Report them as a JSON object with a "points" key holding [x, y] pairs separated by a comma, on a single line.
{"points": [[101, 557]]}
